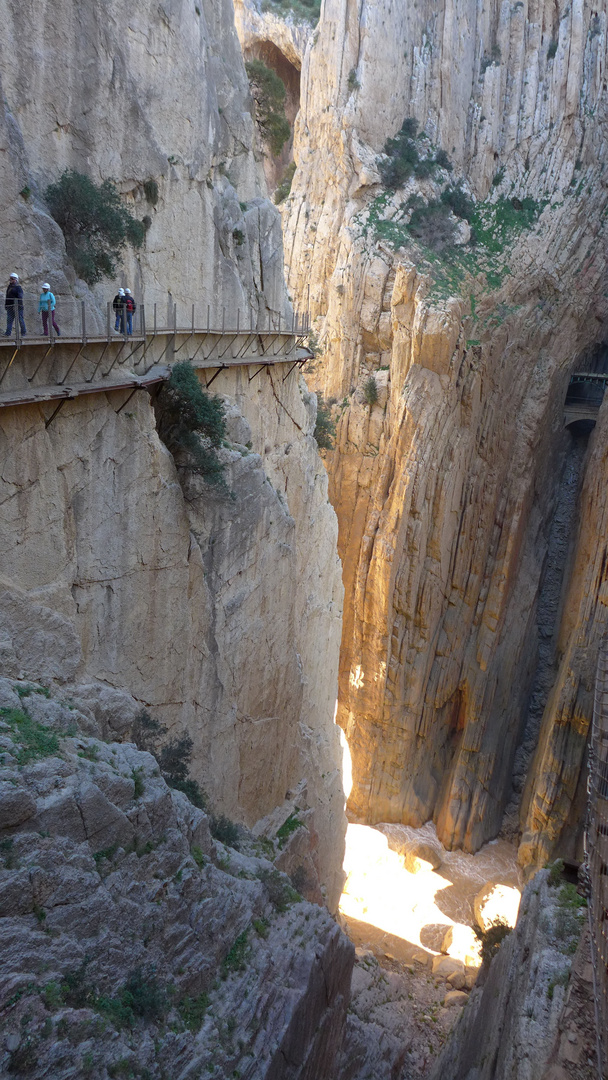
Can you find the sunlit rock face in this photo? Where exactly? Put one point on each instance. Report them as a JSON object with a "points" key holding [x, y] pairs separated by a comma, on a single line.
{"points": [[446, 487], [221, 613]]}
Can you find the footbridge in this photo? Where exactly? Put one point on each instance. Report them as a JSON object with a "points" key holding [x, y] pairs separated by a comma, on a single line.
{"points": [[120, 354], [584, 397]]}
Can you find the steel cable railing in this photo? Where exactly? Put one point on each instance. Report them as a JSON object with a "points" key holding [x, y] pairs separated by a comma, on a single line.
{"points": [[205, 337]]}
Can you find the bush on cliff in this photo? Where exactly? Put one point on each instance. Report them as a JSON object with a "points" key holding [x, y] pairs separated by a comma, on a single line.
{"points": [[268, 91], [403, 158], [95, 223], [173, 757], [325, 428], [191, 423]]}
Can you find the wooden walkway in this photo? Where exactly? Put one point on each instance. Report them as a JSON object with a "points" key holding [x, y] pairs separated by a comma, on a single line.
{"points": [[584, 397], [37, 369]]}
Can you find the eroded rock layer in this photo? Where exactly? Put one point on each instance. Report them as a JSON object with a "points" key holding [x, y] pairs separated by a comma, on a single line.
{"points": [[446, 474]]}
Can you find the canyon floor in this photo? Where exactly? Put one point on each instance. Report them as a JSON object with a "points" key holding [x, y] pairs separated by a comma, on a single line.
{"points": [[398, 921]]}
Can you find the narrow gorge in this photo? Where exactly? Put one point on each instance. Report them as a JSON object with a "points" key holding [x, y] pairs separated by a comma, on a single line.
{"points": [[304, 576]]}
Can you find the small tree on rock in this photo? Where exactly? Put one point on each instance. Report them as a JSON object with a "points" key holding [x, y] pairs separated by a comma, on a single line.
{"points": [[95, 222]]}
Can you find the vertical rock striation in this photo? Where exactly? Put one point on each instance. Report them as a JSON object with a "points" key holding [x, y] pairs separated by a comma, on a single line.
{"points": [[445, 488]]}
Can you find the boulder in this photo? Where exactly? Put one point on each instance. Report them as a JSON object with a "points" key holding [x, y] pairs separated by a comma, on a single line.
{"points": [[16, 805], [462, 943], [421, 857], [496, 903], [446, 966], [458, 980], [455, 997]]}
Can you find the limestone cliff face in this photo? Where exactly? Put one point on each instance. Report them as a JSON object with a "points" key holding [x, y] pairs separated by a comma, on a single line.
{"points": [[131, 940], [138, 94], [447, 487], [219, 613]]}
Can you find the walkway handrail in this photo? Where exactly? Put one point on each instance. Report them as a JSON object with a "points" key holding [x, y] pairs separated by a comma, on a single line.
{"points": [[76, 322]]}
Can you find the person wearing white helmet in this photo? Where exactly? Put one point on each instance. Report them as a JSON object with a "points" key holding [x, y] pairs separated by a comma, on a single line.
{"points": [[14, 305], [119, 306], [131, 309], [46, 304]]}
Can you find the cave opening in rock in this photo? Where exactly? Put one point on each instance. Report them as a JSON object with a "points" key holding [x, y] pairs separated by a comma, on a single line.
{"points": [[271, 55]]}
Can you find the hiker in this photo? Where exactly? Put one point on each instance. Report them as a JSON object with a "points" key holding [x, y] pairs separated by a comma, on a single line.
{"points": [[46, 304], [118, 304], [14, 304], [131, 309]]}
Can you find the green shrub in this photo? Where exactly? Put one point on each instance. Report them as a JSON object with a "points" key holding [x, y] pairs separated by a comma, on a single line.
{"points": [[191, 423], [459, 202], [443, 161], [151, 192], [404, 159], [35, 740], [284, 187], [353, 82], [492, 938], [287, 828], [192, 1011], [325, 428], [198, 856], [138, 780], [498, 177], [305, 10], [238, 236], [370, 391], [280, 892], [556, 870], [224, 830], [551, 51], [261, 927], [433, 225], [268, 91], [235, 959], [173, 758], [95, 223], [143, 993]]}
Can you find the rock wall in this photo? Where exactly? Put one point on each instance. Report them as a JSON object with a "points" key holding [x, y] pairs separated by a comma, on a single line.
{"points": [[136, 95], [220, 613], [519, 1005], [132, 941], [445, 488]]}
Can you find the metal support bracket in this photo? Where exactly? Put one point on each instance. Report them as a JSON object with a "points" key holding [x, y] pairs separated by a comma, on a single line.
{"points": [[47, 423], [250, 378], [221, 368], [41, 363], [61, 381], [9, 363]]}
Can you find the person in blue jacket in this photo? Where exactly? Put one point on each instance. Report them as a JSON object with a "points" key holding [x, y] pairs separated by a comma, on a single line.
{"points": [[14, 304], [46, 304]]}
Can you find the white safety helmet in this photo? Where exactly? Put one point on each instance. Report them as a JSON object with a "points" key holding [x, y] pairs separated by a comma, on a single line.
{"points": [[121, 292], [45, 285], [128, 292], [14, 277]]}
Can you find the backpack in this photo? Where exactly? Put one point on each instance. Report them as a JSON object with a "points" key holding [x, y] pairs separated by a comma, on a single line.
{"points": [[130, 303]]}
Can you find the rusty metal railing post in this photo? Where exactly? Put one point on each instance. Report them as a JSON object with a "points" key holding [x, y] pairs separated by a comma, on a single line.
{"points": [[83, 322]]}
